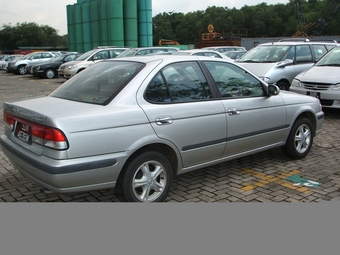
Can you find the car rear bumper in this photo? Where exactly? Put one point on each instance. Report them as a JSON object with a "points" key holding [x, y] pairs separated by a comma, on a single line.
{"points": [[63, 176]]}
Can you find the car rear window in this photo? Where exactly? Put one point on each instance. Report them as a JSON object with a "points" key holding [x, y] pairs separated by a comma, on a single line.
{"points": [[98, 84]]}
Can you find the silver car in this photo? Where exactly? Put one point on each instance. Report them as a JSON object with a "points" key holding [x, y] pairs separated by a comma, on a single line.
{"points": [[71, 68], [134, 123], [322, 80], [279, 62]]}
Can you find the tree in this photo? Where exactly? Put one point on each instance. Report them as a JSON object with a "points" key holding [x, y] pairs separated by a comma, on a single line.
{"points": [[30, 35]]}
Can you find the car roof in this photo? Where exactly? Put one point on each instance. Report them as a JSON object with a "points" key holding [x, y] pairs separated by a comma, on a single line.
{"points": [[149, 58], [289, 43]]}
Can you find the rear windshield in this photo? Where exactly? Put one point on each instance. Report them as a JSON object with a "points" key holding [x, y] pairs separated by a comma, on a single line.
{"points": [[100, 83]]}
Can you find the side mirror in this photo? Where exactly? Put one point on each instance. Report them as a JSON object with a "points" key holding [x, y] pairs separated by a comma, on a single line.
{"points": [[273, 90], [285, 62]]}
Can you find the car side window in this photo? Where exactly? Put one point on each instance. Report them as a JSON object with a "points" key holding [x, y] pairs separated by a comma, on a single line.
{"points": [[232, 81], [104, 54], [319, 50], [178, 82], [303, 54], [36, 56], [46, 55]]}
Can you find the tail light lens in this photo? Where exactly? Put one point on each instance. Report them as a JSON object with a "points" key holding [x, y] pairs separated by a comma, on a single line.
{"points": [[43, 135]]}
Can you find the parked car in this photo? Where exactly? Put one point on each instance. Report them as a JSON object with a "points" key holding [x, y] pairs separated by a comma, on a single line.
{"points": [[279, 62], [200, 52], [4, 62], [70, 69], [234, 54], [19, 66], [49, 70], [29, 67], [222, 49], [142, 51], [322, 80], [134, 123]]}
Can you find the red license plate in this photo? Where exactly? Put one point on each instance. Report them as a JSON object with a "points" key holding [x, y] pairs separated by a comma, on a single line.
{"points": [[23, 132]]}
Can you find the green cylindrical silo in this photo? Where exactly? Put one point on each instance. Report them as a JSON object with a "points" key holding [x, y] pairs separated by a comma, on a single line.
{"points": [[86, 17], [144, 9], [82, 1], [130, 23], [95, 24], [116, 25], [70, 10], [79, 28], [103, 22]]}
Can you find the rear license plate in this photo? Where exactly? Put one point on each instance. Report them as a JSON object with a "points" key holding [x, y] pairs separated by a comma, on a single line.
{"points": [[23, 132], [313, 94]]}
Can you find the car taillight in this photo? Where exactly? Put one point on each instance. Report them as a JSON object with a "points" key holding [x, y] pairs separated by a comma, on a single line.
{"points": [[43, 135], [9, 121]]}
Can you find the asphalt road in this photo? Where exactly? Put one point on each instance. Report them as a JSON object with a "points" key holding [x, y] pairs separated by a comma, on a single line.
{"points": [[264, 177]]}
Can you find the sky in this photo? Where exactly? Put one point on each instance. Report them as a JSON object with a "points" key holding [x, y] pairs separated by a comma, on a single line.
{"points": [[53, 13]]}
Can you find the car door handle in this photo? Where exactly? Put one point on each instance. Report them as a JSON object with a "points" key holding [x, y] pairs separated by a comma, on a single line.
{"points": [[164, 120], [234, 111]]}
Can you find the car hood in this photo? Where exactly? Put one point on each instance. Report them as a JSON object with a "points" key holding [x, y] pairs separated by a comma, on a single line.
{"points": [[258, 69], [324, 74]]}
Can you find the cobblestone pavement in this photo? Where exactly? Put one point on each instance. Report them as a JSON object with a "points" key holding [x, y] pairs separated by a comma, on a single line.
{"points": [[257, 178]]}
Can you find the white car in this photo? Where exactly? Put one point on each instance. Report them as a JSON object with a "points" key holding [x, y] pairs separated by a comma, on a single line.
{"points": [[322, 80], [19, 66], [279, 62], [89, 58], [202, 52], [4, 62]]}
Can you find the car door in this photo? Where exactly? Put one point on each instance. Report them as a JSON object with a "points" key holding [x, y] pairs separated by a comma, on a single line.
{"points": [[254, 120], [179, 105]]}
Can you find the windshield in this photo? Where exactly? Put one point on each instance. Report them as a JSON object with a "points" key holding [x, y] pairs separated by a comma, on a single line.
{"points": [[58, 58], [332, 58], [127, 53], [99, 83], [26, 56], [266, 54], [86, 55]]}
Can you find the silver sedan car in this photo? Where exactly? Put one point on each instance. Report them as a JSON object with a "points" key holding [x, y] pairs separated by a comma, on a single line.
{"points": [[322, 80], [134, 123]]}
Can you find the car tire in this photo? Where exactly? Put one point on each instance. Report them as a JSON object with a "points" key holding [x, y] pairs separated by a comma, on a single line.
{"points": [[283, 85], [50, 73], [21, 70], [146, 178], [300, 139]]}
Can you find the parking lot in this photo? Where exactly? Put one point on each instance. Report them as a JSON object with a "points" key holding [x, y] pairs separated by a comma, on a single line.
{"points": [[263, 177]]}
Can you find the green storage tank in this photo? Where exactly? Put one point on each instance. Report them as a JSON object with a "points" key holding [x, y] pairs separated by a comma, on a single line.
{"points": [[130, 23], [79, 28], [86, 18], [144, 8], [115, 23], [70, 10], [103, 22], [95, 24]]}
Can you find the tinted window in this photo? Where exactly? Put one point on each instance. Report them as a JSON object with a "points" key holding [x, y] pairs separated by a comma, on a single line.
{"points": [[104, 54], [179, 82], [319, 50], [47, 55], [100, 83], [233, 81], [303, 54]]}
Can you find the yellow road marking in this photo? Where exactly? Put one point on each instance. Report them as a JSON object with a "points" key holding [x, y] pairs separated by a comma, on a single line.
{"points": [[267, 179]]}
